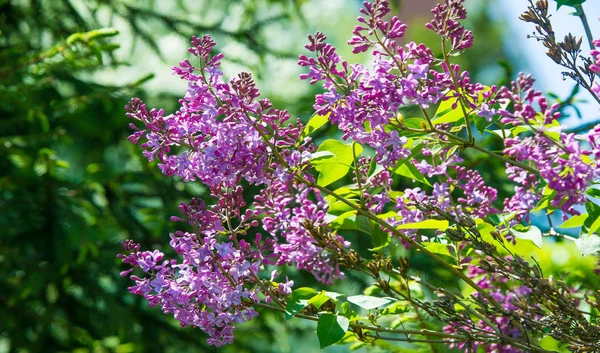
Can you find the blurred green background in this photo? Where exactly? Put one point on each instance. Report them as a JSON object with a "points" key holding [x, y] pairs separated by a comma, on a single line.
{"points": [[72, 187]]}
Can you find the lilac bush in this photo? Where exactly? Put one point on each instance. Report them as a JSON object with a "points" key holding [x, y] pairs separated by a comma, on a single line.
{"points": [[308, 200]]}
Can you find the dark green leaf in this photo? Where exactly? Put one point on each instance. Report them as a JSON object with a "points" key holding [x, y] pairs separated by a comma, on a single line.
{"points": [[331, 329], [379, 238], [571, 3]]}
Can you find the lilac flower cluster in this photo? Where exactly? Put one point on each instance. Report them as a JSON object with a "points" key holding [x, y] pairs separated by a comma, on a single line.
{"points": [[286, 211], [446, 24], [512, 300], [219, 128], [215, 149], [477, 198], [207, 290], [361, 101], [563, 164]]}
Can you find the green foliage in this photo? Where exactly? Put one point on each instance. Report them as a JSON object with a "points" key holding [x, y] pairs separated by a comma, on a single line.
{"points": [[407, 169], [427, 224], [298, 300], [572, 3], [533, 233], [314, 124], [368, 302], [335, 160], [331, 329]]}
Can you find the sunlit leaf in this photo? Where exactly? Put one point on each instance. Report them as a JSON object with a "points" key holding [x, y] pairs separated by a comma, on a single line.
{"points": [[314, 124], [428, 224], [370, 303]]}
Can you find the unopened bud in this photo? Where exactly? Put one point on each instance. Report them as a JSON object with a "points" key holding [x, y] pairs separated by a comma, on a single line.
{"points": [[455, 235], [467, 221]]}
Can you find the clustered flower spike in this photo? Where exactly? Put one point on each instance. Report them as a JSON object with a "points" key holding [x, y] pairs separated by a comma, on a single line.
{"points": [[562, 163], [446, 24], [219, 128], [375, 13]]}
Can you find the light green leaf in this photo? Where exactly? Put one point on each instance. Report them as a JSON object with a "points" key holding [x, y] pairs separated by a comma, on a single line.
{"points": [[319, 299], [370, 303], [534, 234], [298, 300], [95, 34], [438, 248], [446, 114], [428, 224], [333, 168], [346, 220], [314, 124], [407, 169], [575, 221], [415, 123], [331, 329]]}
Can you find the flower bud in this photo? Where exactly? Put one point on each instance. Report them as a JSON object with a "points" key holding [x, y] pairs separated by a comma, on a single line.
{"points": [[455, 235]]}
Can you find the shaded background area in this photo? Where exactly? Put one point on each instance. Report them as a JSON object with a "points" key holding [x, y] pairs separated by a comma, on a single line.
{"points": [[72, 187]]}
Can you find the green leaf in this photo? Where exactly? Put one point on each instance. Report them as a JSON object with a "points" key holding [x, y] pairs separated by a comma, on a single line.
{"points": [[379, 238], [322, 157], [438, 248], [588, 244], [346, 220], [575, 221], [370, 303], [428, 224], [319, 299], [314, 124], [395, 309], [331, 329], [298, 300], [571, 3], [407, 169], [595, 225], [95, 34], [481, 123], [415, 123], [545, 202], [516, 130], [446, 114], [497, 132], [593, 192], [592, 223], [534, 234], [333, 168]]}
